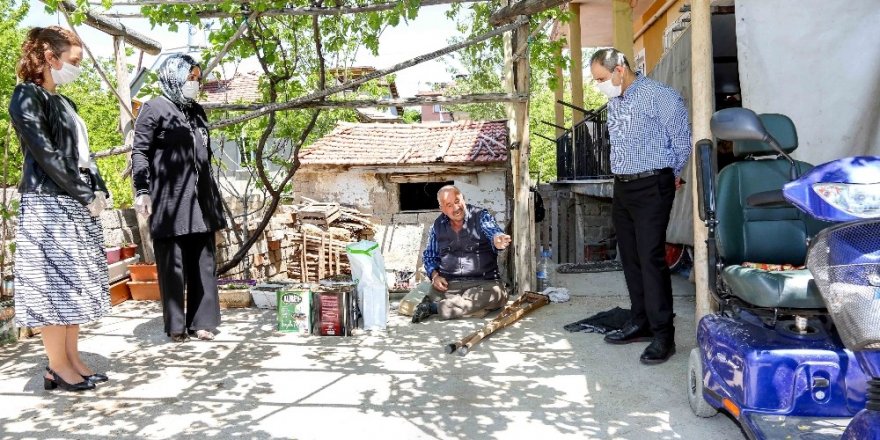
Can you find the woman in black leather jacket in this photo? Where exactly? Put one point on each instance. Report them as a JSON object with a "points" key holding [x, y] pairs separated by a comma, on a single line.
{"points": [[60, 263], [171, 169]]}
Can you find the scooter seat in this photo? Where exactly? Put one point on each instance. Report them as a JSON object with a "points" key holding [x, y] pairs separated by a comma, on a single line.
{"points": [[793, 289]]}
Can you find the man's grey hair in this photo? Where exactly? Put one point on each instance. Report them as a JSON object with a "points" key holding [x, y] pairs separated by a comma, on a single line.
{"points": [[448, 188], [610, 58]]}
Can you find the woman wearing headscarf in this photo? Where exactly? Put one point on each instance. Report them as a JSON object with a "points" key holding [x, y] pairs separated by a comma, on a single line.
{"points": [[171, 168], [60, 264]]}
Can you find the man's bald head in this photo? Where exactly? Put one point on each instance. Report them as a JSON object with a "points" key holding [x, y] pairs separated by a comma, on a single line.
{"points": [[452, 203]]}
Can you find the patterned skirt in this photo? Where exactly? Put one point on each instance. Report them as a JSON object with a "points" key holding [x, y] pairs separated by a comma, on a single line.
{"points": [[60, 263]]}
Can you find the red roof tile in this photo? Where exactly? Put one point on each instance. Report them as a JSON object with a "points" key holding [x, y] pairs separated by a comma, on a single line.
{"points": [[243, 87], [398, 144]]}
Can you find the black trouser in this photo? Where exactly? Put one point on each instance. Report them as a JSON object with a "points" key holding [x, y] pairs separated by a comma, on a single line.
{"points": [[640, 212], [188, 261]]}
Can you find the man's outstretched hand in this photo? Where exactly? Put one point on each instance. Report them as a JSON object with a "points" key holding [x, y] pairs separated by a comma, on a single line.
{"points": [[501, 241], [440, 283]]}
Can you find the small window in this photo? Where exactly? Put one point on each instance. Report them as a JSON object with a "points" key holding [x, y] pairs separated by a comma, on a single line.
{"points": [[420, 196], [437, 108]]}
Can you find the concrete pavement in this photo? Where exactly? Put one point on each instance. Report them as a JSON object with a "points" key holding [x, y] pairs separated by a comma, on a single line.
{"points": [[533, 380]]}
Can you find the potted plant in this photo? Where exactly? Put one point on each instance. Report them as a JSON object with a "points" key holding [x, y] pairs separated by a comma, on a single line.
{"points": [[143, 271], [144, 290], [128, 250], [234, 295], [113, 254]]}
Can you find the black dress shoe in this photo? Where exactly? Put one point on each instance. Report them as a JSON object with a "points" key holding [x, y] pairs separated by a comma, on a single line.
{"points": [[629, 334], [658, 352], [57, 382]]}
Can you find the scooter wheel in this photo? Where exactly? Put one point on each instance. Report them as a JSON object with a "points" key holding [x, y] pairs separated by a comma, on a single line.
{"points": [[699, 406]]}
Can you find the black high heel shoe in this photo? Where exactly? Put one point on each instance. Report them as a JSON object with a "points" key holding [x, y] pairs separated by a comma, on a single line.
{"points": [[95, 378], [57, 382]]}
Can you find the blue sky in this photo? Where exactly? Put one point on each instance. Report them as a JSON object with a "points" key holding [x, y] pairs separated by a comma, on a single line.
{"points": [[428, 32]]}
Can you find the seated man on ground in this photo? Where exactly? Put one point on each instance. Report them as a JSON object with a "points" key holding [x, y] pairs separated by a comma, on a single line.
{"points": [[462, 260]]}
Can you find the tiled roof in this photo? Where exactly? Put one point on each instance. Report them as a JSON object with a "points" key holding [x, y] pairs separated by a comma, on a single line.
{"points": [[407, 144], [243, 87]]}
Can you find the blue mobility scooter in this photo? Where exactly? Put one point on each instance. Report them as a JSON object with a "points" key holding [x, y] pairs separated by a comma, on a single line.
{"points": [[773, 356]]}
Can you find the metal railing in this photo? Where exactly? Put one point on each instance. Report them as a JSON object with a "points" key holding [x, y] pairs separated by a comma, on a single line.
{"points": [[584, 151]]}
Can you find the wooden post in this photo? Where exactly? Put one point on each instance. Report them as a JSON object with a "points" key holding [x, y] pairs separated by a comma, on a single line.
{"points": [[577, 63], [622, 24], [554, 226], [321, 256], [559, 94], [304, 277], [516, 79], [580, 214], [702, 107], [127, 125]]}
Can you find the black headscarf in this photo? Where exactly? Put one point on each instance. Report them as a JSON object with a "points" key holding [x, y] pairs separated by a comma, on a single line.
{"points": [[173, 72]]}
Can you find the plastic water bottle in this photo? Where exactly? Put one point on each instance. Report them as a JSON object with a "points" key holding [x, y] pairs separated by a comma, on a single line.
{"points": [[543, 273]]}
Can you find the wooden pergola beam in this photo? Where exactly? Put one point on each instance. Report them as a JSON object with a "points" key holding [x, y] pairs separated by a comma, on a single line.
{"points": [[482, 98], [269, 108], [305, 10], [525, 7], [115, 28]]}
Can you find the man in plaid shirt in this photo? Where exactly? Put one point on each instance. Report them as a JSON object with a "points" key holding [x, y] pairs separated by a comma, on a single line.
{"points": [[650, 144], [462, 260]]}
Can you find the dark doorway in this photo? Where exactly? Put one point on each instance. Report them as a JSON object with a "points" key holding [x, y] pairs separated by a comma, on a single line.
{"points": [[420, 196]]}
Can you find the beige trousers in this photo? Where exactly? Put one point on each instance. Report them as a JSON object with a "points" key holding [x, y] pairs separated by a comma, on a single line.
{"points": [[467, 297]]}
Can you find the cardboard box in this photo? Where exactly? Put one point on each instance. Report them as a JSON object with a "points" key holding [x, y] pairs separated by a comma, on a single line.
{"points": [[294, 310]]}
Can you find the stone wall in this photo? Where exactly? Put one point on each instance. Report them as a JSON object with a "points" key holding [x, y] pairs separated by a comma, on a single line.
{"points": [[569, 212]]}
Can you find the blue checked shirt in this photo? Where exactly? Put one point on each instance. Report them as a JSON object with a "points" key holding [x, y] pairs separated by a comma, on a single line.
{"points": [[431, 256], [649, 128]]}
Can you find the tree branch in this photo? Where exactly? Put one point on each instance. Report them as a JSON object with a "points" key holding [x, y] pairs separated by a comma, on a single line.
{"points": [[238, 33], [271, 108], [478, 98], [525, 7]]}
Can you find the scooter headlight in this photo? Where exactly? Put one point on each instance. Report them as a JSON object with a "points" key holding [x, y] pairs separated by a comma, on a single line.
{"points": [[858, 200]]}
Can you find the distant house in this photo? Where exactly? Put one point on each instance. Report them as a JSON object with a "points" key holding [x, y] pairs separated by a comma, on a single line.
{"points": [[393, 172], [434, 112]]}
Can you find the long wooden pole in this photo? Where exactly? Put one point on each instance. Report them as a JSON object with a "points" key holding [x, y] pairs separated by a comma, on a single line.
{"points": [[342, 10], [377, 74], [384, 102], [703, 105], [113, 27], [526, 7], [559, 95], [357, 103], [126, 120], [517, 81], [623, 27], [577, 63]]}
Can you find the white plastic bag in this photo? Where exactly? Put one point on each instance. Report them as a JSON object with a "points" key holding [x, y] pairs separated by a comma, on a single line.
{"points": [[368, 270], [557, 294]]}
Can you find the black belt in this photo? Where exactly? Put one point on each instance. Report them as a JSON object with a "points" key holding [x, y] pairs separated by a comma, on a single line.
{"points": [[642, 175]]}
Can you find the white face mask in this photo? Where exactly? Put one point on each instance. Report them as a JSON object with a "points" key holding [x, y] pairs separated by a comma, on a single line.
{"points": [[190, 89], [608, 88], [66, 75]]}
